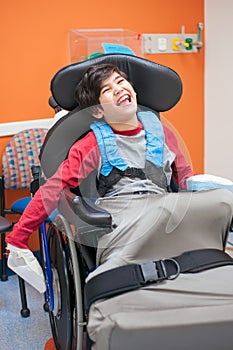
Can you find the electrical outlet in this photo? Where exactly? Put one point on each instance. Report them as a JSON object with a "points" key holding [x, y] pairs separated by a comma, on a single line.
{"points": [[176, 44]]}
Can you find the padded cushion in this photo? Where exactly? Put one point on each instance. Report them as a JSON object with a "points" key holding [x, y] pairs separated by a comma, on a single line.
{"points": [[60, 138], [19, 205], [158, 87]]}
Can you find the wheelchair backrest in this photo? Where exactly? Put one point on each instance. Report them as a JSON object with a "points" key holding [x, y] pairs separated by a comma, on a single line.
{"points": [[158, 88]]}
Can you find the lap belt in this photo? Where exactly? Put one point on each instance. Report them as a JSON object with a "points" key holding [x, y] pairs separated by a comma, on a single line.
{"points": [[130, 277]]}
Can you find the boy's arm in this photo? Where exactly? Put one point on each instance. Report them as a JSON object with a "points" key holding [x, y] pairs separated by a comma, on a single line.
{"points": [[82, 159], [181, 169]]}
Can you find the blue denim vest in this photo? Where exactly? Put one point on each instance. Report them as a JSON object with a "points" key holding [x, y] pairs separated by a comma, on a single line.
{"points": [[109, 151]]}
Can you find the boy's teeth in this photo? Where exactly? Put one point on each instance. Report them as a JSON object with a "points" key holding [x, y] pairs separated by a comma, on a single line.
{"points": [[123, 99]]}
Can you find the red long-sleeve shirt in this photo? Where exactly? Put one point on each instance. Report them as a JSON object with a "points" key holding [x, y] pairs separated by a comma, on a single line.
{"points": [[83, 158]]}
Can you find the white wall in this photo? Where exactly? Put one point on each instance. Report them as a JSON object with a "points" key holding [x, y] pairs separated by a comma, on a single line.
{"points": [[8, 129], [219, 87]]}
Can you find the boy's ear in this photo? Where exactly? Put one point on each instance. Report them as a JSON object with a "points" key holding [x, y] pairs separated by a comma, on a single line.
{"points": [[97, 112]]}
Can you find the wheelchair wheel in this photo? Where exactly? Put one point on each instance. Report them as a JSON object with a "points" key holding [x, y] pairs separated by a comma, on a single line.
{"points": [[66, 318], [61, 316]]}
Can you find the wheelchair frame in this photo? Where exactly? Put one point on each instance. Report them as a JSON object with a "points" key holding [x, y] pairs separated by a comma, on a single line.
{"points": [[66, 262]]}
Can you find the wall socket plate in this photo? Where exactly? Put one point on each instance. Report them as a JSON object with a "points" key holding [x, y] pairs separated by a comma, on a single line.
{"points": [[169, 43]]}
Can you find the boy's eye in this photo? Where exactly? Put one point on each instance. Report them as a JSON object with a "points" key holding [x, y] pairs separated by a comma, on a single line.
{"points": [[120, 81], [105, 90]]}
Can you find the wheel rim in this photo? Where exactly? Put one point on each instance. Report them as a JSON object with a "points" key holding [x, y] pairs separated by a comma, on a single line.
{"points": [[61, 317], [57, 294]]}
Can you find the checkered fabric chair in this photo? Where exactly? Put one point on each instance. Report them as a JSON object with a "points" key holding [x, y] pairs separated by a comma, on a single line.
{"points": [[20, 154]]}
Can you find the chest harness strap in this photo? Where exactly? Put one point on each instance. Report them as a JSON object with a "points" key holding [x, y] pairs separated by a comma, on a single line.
{"points": [[131, 277], [114, 167], [110, 153]]}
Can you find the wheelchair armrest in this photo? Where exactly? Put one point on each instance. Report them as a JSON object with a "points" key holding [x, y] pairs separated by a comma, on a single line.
{"points": [[88, 211]]}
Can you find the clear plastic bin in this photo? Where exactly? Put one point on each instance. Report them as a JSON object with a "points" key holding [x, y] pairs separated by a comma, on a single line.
{"points": [[88, 43]]}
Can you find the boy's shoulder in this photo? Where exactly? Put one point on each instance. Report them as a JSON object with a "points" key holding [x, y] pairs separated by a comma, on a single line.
{"points": [[87, 140]]}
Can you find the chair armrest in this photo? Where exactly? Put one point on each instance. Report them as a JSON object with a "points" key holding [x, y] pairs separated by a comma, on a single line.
{"points": [[88, 211], [38, 179]]}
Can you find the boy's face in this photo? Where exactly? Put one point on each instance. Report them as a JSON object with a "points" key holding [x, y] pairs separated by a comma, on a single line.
{"points": [[118, 101]]}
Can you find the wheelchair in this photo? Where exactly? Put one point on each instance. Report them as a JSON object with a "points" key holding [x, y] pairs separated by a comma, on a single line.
{"points": [[70, 243]]}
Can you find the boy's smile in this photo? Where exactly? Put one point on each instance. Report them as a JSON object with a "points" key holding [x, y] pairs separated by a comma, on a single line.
{"points": [[124, 99]]}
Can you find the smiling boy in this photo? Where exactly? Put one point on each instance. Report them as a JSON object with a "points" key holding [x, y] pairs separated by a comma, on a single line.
{"points": [[135, 156]]}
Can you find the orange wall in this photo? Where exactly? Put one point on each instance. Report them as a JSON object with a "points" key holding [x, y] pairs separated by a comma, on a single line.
{"points": [[34, 45]]}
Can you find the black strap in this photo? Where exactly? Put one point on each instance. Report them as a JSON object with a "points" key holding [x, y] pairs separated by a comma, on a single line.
{"points": [[130, 277], [107, 182]]}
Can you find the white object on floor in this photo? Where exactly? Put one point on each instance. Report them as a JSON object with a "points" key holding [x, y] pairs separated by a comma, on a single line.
{"points": [[24, 263]]}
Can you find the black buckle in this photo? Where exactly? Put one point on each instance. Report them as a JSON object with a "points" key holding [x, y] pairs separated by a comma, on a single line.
{"points": [[154, 271], [166, 274], [130, 172], [134, 172], [149, 272]]}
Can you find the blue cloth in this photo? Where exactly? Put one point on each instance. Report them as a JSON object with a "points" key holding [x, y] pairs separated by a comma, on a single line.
{"points": [[109, 151]]}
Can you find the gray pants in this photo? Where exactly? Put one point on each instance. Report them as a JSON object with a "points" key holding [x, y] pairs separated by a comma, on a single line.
{"points": [[150, 227]]}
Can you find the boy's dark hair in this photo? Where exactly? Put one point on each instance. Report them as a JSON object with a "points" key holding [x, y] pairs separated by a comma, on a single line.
{"points": [[88, 90]]}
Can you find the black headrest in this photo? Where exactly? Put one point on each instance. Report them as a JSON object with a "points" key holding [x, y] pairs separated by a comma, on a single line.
{"points": [[158, 87]]}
